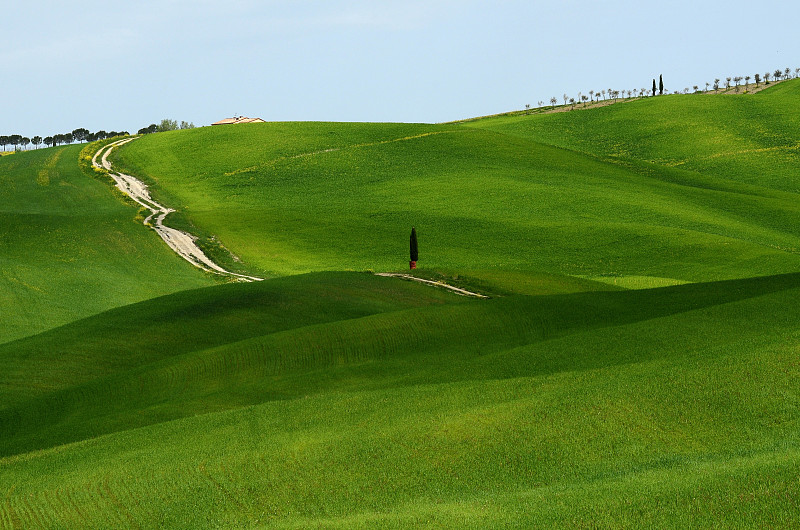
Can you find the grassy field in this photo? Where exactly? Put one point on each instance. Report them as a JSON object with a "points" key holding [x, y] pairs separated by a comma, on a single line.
{"points": [[70, 249], [496, 198], [636, 364], [580, 410]]}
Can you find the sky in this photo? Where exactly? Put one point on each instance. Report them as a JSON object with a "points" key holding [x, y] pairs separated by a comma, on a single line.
{"points": [[123, 65]]}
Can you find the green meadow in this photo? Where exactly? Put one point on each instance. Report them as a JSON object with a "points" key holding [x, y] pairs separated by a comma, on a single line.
{"points": [[70, 249], [635, 364]]}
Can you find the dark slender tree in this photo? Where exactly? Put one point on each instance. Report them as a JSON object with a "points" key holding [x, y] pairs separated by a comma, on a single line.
{"points": [[660, 85], [414, 248], [654, 87]]}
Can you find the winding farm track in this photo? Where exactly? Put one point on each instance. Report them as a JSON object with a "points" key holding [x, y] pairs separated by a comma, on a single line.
{"points": [[184, 244], [181, 242], [457, 290]]}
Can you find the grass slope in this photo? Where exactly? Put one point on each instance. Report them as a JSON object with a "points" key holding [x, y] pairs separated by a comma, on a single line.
{"points": [[69, 248], [669, 406], [737, 139], [289, 198], [341, 399]]}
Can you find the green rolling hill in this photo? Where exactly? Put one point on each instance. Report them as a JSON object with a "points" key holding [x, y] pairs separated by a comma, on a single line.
{"points": [[635, 364], [70, 249], [496, 194]]}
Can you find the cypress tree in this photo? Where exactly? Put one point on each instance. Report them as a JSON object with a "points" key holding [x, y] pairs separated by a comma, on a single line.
{"points": [[654, 86], [414, 249], [660, 85]]}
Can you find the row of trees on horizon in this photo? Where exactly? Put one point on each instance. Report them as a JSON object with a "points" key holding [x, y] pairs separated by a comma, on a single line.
{"points": [[19, 142], [610, 94], [78, 135], [165, 125]]}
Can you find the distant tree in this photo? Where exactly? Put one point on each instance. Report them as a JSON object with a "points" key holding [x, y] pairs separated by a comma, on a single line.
{"points": [[766, 77], [787, 72], [707, 85], [79, 135], [5, 141], [777, 75], [25, 142], [585, 98], [167, 125], [796, 73], [660, 85], [716, 84], [604, 94], [757, 79], [527, 106], [16, 139], [48, 140], [101, 135], [68, 138], [572, 102], [553, 101], [629, 93], [541, 103], [746, 80], [566, 98], [591, 95], [36, 141], [414, 247], [727, 83], [654, 86]]}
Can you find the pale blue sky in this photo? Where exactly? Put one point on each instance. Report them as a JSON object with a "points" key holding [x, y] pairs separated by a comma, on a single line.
{"points": [[123, 65]]}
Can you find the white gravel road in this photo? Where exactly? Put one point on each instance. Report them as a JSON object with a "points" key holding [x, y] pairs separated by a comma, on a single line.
{"points": [[181, 242]]}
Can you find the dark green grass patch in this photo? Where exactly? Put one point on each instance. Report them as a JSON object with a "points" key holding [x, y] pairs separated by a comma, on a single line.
{"points": [[200, 357], [694, 425]]}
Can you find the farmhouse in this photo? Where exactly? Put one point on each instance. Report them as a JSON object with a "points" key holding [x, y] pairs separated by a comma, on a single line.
{"points": [[238, 119]]}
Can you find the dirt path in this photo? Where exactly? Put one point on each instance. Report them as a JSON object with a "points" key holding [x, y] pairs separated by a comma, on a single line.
{"points": [[181, 242], [457, 290]]}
